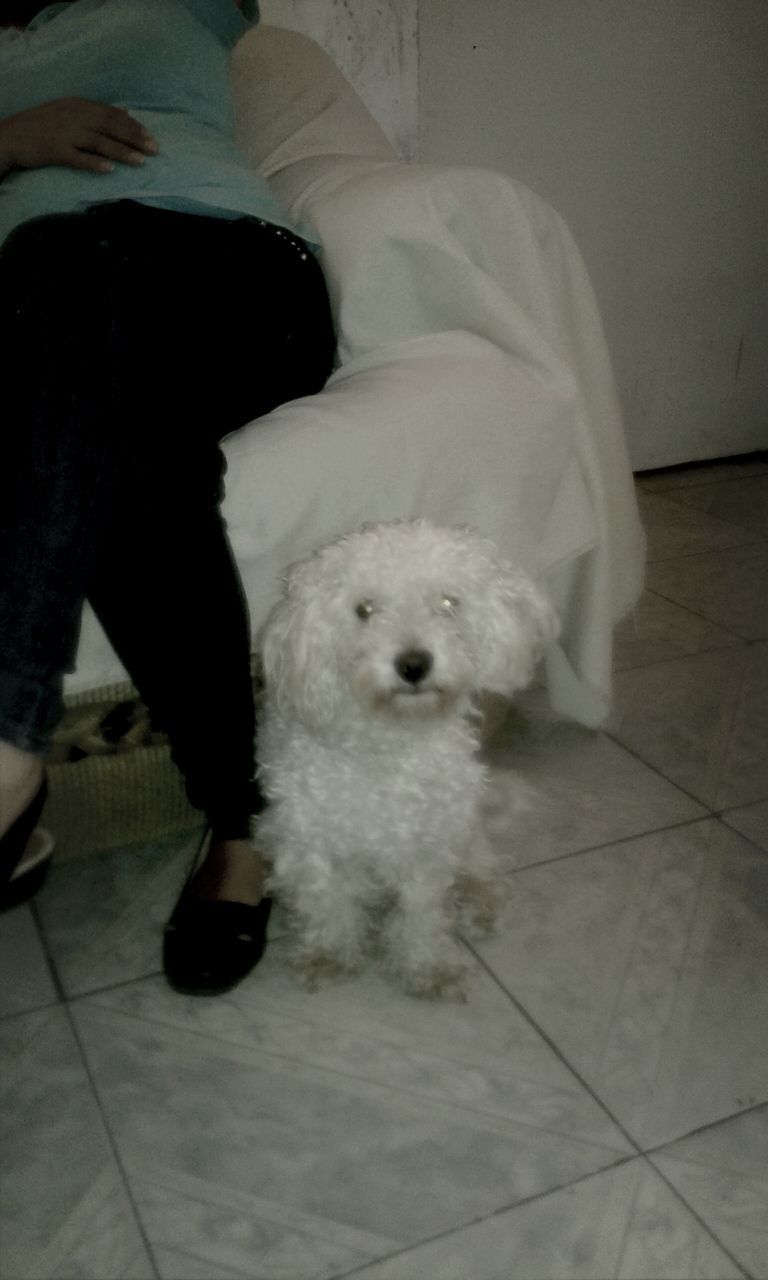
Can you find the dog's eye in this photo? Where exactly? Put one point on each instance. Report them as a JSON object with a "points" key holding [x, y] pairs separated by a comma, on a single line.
{"points": [[449, 604], [364, 609]]}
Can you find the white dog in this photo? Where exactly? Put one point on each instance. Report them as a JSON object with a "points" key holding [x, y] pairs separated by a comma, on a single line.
{"points": [[368, 741]]}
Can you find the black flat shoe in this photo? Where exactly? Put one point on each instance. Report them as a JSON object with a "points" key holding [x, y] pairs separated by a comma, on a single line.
{"points": [[209, 946], [19, 880]]}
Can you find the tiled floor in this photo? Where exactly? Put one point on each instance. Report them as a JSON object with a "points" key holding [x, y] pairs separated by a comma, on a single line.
{"points": [[597, 1108]]}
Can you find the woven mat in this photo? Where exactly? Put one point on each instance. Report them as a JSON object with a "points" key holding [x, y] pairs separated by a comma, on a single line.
{"points": [[111, 780]]}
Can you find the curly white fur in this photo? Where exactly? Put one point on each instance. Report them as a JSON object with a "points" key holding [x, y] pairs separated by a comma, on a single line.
{"points": [[368, 739]]}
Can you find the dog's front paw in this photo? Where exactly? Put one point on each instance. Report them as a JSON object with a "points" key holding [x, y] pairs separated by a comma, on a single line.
{"points": [[431, 978], [439, 982], [443, 982], [317, 968], [477, 904]]}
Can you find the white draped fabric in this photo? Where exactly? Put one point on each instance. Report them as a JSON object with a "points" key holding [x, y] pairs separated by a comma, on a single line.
{"points": [[474, 384]]}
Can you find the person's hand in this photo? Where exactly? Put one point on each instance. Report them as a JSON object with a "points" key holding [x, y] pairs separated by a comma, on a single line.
{"points": [[75, 133]]}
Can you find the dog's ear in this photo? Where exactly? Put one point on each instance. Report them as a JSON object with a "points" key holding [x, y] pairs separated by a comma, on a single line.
{"points": [[298, 659], [518, 622]]}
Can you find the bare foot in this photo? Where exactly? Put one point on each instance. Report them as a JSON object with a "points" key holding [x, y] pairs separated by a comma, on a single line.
{"points": [[233, 871]]}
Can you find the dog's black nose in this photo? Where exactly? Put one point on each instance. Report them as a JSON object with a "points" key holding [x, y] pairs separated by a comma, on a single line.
{"points": [[413, 666]]}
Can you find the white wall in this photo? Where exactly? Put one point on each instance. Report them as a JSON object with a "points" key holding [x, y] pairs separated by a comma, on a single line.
{"points": [[645, 123]]}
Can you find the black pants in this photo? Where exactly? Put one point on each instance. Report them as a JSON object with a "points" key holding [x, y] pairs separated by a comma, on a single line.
{"points": [[132, 340]]}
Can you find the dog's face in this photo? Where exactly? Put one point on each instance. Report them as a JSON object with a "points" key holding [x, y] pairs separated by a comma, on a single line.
{"points": [[404, 619], [405, 647]]}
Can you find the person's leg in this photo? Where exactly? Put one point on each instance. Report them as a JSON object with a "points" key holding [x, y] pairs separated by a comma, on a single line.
{"points": [[167, 592], [237, 322], [109, 455], [56, 467]]}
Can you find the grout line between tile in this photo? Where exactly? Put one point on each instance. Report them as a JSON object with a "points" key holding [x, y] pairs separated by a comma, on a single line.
{"points": [[337, 1073], [474, 1222], [754, 540], [555, 1049], [721, 647], [609, 844], [643, 1155], [48, 954], [628, 1221], [661, 1147], [745, 642], [705, 1226], [26, 1013], [650, 1151], [112, 1142], [74, 996], [710, 812], [653, 591], [735, 808], [758, 848], [713, 622]]}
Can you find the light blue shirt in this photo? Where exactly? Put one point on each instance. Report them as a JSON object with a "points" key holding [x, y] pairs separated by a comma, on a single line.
{"points": [[167, 63]]}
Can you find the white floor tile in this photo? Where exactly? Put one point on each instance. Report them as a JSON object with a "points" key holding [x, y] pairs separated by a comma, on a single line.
{"points": [[356, 1116], [559, 788], [723, 1175], [64, 1210], [26, 982], [751, 821], [103, 916], [479, 1053], [742, 502], [645, 963], [624, 1224], [701, 721], [724, 587], [674, 529], [203, 1231], [658, 630]]}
